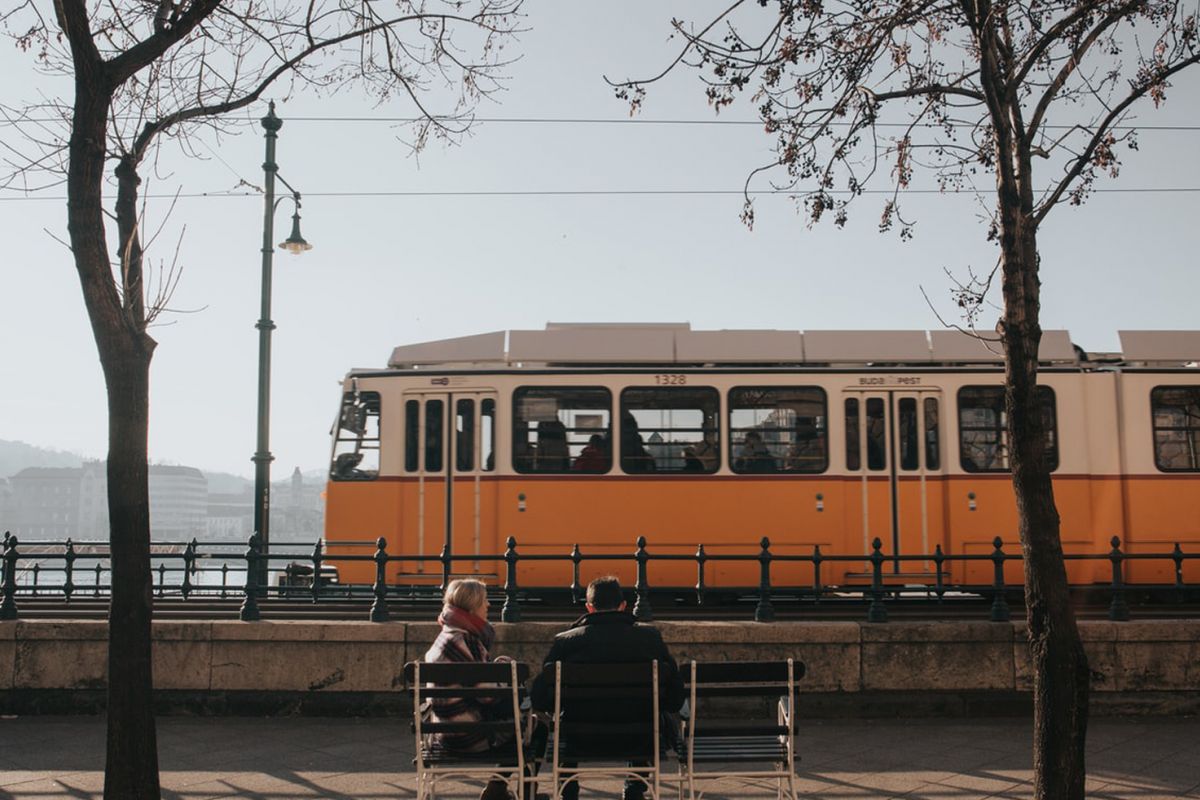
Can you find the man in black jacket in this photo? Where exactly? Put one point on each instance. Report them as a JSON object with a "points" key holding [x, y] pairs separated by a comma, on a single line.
{"points": [[608, 634]]}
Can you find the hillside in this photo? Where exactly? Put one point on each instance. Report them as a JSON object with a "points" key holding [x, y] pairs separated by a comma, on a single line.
{"points": [[16, 456]]}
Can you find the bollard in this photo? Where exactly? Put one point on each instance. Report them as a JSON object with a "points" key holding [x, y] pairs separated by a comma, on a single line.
{"points": [[69, 569], [999, 603], [224, 579], [641, 609], [162, 578], [877, 611], [317, 554], [764, 611], [512, 610], [189, 560], [249, 610], [379, 609], [1119, 610], [701, 560], [96, 585], [8, 583], [817, 558]]}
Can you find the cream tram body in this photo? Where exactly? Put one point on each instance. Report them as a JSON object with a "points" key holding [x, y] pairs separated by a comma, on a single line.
{"points": [[896, 435]]}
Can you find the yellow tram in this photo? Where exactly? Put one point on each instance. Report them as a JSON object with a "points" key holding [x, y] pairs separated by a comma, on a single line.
{"points": [[593, 435]]}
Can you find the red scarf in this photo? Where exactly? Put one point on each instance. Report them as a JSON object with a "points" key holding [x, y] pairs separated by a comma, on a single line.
{"points": [[480, 632]]}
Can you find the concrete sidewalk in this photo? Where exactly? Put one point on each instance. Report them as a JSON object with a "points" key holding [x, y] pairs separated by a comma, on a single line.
{"points": [[295, 758]]}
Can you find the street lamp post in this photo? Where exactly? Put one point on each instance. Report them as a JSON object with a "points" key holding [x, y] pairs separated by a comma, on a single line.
{"points": [[294, 244]]}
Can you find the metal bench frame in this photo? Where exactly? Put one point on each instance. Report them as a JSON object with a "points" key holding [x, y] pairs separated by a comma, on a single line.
{"points": [[597, 682], [505, 682], [733, 741]]}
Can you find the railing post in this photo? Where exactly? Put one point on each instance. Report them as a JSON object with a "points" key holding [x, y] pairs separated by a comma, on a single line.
{"points": [[445, 559], [877, 611], [8, 608], [1000, 611], [701, 561], [317, 554], [189, 558], [162, 578], [641, 609], [576, 589], [817, 558], [98, 571], [1119, 610], [249, 611], [939, 559], [764, 611], [512, 610], [379, 609], [69, 569]]}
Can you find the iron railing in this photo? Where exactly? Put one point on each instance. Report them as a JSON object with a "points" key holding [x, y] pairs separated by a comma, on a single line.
{"points": [[76, 570]]}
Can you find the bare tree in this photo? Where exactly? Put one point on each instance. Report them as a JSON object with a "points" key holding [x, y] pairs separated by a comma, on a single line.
{"points": [[962, 90], [149, 72]]}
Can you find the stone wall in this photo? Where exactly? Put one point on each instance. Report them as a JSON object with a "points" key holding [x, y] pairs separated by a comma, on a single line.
{"points": [[910, 668]]}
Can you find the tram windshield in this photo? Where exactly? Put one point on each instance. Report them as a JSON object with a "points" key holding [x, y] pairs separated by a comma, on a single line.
{"points": [[356, 438]]}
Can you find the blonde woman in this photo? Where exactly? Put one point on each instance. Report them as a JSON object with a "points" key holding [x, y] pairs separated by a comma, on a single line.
{"points": [[466, 636]]}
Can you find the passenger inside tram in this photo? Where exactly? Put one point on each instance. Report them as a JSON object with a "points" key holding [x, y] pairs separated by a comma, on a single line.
{"points": [[594, 457], [755, 456], [806, 453]]}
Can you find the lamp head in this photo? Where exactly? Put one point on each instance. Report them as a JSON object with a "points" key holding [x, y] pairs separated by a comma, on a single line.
{"points": [[295, 243]]}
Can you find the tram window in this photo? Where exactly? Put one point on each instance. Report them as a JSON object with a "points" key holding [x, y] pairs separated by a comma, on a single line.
{"points": [[487, 441], [933, 450], [1176, 415], [412, 436], [464, 435], [356, 438], [674, 429], [434, 426], [876, 434], [778, 429], [983, 428], [562, 429], [909, 448], [853, 461]]}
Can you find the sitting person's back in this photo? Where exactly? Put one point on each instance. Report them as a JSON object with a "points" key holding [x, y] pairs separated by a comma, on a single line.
{"points": [[608, 634]]}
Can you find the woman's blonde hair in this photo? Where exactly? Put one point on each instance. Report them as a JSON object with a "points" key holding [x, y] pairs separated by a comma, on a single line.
{"points": [[465, 593]]}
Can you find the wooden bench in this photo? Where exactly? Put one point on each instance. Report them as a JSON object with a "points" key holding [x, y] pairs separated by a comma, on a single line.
{"points": [[500, 684], [740, 714]]}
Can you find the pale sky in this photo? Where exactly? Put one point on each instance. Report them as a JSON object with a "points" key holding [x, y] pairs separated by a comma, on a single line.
{"points": [[392, 268]]}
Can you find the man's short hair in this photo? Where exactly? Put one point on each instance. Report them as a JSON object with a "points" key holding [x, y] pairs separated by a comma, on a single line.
{"points": [[604, 594]]}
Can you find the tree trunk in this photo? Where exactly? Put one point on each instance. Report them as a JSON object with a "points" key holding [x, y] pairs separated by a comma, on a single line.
{"points": [[1060, 668], [131, 769], [131, 766]]}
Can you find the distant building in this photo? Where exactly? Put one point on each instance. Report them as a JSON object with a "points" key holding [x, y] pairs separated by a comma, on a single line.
{"points": [[44, 503], [57, 503], [61, 502]]}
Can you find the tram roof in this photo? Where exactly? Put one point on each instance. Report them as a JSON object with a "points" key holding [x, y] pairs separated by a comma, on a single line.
{"points": [[648, 344]]}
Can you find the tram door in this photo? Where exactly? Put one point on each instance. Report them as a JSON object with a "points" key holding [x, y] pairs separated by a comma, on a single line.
{"points": [[893, 444], [449, 452]]}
